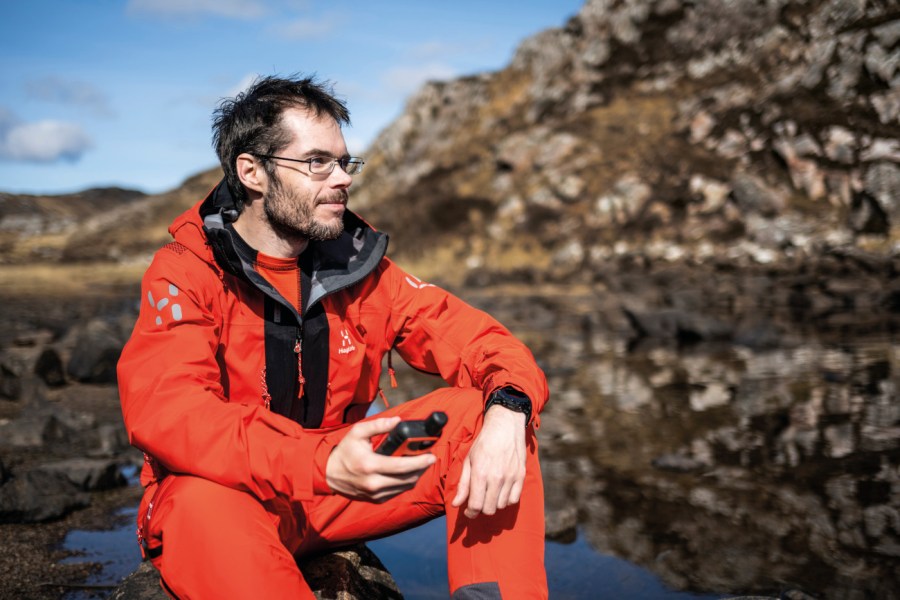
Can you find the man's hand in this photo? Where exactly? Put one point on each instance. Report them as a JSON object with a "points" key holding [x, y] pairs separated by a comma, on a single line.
{"points": [[494, 471], [354, 469]]}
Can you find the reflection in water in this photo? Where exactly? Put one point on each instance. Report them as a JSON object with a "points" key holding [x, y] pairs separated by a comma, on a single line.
{"points": [[728, 470], [722, 470]]}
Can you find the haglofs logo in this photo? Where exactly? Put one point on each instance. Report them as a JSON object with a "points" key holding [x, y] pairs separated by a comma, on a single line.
{"points": [[417, 283], [346, 343], [166, 302]]}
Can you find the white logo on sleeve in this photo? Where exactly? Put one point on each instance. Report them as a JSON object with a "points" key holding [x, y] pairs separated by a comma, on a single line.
{"points": [[417, 283], [166, 302]]}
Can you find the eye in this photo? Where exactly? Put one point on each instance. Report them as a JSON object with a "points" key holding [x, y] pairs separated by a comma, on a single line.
{"points": [[319, 162]]}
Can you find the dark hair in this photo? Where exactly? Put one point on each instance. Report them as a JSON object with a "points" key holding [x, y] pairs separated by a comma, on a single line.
{"points": [[251, 122]]}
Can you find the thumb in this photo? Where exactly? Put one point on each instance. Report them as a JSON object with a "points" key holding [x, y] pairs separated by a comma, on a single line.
{"points": [[462, 490]]}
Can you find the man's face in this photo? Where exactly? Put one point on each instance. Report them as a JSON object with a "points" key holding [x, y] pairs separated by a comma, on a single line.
{"points": [[298, 203]]}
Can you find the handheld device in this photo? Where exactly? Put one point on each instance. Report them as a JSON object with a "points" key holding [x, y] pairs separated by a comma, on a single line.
{"points": [[413, 437]]}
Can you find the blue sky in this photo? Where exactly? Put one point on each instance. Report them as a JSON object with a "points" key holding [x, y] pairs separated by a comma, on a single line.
{"points": [[120, 92]]}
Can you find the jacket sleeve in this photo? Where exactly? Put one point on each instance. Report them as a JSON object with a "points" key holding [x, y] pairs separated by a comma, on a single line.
{"points": [[439, 333], [173, 399]]}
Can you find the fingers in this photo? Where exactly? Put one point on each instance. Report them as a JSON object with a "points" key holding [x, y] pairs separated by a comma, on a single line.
{"points": [[488, 488], [354, 469], [367, 429]]}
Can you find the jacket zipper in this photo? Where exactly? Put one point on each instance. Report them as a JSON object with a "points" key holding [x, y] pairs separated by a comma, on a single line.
{"points": [[298, 350]]}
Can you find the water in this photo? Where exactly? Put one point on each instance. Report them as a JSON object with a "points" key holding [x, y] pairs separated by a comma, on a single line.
{"points": [[416, 558], [115, 550], [692, 472], [418, 561]]}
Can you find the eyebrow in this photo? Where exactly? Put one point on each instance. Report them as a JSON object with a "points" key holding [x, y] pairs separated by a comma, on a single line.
{"points": [[319, 152]]}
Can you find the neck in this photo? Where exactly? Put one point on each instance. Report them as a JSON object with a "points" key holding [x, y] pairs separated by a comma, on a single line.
{"points": [[256, 230]]}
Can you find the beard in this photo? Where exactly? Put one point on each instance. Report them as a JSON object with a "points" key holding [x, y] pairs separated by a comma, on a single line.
{"points": [[292, 214]]}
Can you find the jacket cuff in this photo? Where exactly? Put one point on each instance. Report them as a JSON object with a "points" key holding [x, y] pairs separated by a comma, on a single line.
{"points": [[320, 462], [500, 380]]}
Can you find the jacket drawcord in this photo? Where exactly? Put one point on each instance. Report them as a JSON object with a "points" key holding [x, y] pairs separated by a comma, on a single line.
{"points": [[391, 369], [266, 396], [384, 398]]}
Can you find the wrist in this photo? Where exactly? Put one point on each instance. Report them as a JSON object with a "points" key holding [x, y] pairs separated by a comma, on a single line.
{"points": [[501, 412]]}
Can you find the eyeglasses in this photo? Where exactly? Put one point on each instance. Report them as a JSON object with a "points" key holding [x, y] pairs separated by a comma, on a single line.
{"points": [[322, 165]]}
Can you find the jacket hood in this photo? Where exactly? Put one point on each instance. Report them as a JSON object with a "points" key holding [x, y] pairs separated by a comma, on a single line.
{"points": [[205, 229]]}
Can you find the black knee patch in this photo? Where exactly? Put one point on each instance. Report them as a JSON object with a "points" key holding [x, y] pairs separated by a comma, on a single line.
{"points": [[489, 590]]}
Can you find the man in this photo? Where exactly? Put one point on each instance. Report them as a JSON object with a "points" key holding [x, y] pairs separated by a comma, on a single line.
{"points": [[258, 351]]}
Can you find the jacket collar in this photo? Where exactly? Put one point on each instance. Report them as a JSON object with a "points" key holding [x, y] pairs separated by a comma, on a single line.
{"points": [[336, 264]]}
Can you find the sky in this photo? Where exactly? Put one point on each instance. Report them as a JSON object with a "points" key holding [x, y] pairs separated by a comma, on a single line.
{"points": [[97, 93]]}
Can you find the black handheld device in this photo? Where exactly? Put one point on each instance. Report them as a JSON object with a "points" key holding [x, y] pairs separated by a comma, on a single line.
{"points": [[413, 437]]}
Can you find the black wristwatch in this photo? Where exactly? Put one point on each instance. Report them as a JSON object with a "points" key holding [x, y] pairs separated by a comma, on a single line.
{"points": [[513, 399]]}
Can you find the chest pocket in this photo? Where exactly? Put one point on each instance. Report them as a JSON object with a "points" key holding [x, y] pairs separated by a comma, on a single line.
{"points": [[348, 367]]}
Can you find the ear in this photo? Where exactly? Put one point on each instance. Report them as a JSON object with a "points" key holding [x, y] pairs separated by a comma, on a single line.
{"points": [[251, 173]]}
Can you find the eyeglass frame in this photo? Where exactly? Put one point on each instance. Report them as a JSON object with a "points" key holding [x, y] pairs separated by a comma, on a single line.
{"points": [[344, 162]]}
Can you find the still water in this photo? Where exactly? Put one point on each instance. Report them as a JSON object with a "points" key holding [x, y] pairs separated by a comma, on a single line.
{"points": [[695, 472]]}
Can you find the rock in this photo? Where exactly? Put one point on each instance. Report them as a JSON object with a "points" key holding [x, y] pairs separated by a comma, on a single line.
{"points": [[89, 474], [39, 495], [560, 525], [34, 431], [142, 584], [867, 215], [882, 183], [350, 574], [43, 424], [95, 351], [676, 325], [752, 194], [887, 105], [17, 362], [678, 463], [353, 573], [112, 440], [882, 149], [840, 145]]}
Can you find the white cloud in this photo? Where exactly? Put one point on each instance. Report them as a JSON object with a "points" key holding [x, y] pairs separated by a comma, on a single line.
{"points": [[233, 9], [306, 29], [41, 141], [66, 91], [404, 80]]}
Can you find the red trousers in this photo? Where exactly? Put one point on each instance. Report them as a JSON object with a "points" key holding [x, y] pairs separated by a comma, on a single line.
{"points": [[219, 542]]}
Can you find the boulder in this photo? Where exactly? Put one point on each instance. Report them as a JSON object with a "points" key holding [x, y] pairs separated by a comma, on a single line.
{"points": [[96, 347], [676, 325], [37, 495], [88, 474], [18, 362], [34, 431]]}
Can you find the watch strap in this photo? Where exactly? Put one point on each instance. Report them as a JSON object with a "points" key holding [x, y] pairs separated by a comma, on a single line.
{"points": [[513, 399]]}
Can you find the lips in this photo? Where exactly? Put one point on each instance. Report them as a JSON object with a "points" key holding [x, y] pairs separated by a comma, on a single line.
{"points": [[341, 199]]}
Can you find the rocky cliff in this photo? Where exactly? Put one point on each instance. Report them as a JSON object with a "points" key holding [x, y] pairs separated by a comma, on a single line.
{"points": [[718, 133]]}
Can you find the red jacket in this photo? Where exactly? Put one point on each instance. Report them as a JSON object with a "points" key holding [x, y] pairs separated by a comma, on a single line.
{"points": [[224, 380]]}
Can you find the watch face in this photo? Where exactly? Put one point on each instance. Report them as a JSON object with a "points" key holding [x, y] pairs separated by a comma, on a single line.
{"points": [[517, 401]]}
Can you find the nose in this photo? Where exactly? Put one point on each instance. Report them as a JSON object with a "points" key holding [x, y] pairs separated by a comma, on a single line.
{"points": [[340, 178]]}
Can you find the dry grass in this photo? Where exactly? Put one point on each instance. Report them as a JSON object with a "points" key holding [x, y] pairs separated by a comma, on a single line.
{"points": [[70, 280]]}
